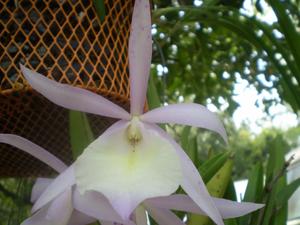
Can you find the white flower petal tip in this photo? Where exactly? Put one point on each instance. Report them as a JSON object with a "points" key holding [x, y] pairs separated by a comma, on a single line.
{"points": [[63, 182], [129, 173], [228, 209], [58, 212], [187, 114], [231, 209], [73, 98], [140, 53], [34, 150]]}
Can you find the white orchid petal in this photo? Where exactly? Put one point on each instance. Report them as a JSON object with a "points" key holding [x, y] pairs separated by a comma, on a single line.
{"points": [[231, 209], [178, 202], [129, 174], [34, 150], [187, 114], [61, 208], [96, 205], [39, 187], [192, 182], [64, 181], [163, 216], [228, 209], [140, 52], [73, 98], [79, 218]]}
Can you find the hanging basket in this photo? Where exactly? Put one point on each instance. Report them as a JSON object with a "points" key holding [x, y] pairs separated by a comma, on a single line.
{"points": [[66, 41]]}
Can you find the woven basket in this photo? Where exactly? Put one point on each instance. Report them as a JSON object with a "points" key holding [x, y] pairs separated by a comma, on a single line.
{"points": [[65, 40]]}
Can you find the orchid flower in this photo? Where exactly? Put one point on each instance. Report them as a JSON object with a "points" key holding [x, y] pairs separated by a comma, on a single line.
{"points": [[61, 210], [133, 160]]}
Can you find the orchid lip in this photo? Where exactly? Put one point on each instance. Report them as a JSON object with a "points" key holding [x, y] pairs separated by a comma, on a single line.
{"points": [[146, 169]]}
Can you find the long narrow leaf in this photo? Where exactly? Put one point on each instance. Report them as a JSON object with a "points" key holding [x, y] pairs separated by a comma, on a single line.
{"points": [[253, 192], [288, 28], [276, 180], [152, 94], [230, 192], [192, 150], [213, 165], [285, 194], [189, 144], [185, 137], [80, 132]]}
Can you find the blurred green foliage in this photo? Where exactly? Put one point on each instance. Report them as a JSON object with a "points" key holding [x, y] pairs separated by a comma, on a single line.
{"points": [[247, 148], [14, 200], [205, 49]]}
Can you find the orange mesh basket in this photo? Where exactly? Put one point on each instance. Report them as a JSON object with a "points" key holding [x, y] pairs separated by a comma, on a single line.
{"points": [[66, 41]]}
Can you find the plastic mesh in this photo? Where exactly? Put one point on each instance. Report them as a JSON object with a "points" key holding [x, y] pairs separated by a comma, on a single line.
{"points": [[64, 40]]}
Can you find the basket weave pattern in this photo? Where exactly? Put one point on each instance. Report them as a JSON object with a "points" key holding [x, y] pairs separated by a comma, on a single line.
{"points": [[66, 41]]}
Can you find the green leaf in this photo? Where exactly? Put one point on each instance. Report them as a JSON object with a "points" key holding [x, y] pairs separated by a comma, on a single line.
{"points": [[152, 94], [285, 193], [230, 192], [231, 222], [185, 137], [275, 181], [280, 215], [209, 161], [255, 184], [288, 28], [153, 97], [100, 9], [192, 150], [210, 167], [253, 191], [218, 184], [276, 161], [80, 132]]}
